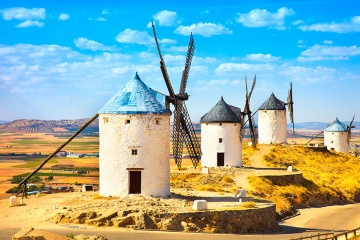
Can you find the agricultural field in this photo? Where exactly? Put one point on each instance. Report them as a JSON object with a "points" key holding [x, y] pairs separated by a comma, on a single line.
{"points": [[21, 153]]}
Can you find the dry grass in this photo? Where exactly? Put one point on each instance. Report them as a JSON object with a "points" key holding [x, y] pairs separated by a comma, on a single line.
{"points": [[247, 152], [210, 188], [227, 179], [330, 177], [248, 205]]}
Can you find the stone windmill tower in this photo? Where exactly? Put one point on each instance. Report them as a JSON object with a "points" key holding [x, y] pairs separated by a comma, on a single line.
{"points": [[272, 121], [220, 142], [135, 142], [337, 136]]}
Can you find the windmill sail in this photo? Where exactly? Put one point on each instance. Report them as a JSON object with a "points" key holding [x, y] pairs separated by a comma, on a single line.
{"points": [[183, 130]]}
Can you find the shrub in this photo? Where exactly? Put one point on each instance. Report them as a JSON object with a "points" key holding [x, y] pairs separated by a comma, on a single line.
{"points": [[210, 188], [227, 179]]}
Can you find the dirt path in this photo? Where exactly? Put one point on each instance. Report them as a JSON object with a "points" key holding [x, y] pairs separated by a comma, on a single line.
{"points": [[256, 160]]}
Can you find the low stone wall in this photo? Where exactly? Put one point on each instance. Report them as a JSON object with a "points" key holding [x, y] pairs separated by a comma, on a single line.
{"points": [[283, 180], [256, 220]]}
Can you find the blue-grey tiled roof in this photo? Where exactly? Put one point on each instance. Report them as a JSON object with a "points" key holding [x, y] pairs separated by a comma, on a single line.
{"points": [[336, 126], [222, 113], [272, 103], [136, 98]]}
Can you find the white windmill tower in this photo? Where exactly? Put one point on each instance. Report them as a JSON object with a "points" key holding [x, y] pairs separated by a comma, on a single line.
{"points": [[134, 142], [220, 142], [337, 136], [272, 119]]}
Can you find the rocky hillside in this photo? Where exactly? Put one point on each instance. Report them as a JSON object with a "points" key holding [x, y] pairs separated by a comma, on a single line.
{"points": [[50, 126]]}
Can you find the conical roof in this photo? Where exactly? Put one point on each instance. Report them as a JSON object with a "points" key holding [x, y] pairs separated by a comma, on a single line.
{"points": [[136, 98], [336, 126], [222, 113], [272, 103]]}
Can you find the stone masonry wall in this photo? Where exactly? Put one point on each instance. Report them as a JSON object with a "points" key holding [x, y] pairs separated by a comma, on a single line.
{"points": [[283, 180], [254, 220]]}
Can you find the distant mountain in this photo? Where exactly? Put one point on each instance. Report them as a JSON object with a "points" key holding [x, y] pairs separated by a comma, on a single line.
{"points": [[319, 125], [70, 126], [48, 126]]}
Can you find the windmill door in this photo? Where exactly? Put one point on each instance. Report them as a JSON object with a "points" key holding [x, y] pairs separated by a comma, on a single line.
{"points": [[220, 159], [135, 182]]}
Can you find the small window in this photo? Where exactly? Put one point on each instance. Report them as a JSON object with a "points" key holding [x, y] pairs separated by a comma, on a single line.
{"points": [[220, 124], [220, 140], [134, 151], [106, 119], [332, 141], [234, 124], [332, 133], [157, 121], [127, 121]]}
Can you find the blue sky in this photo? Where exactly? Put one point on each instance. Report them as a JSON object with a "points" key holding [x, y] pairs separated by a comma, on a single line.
{"points": [[66, 59]]}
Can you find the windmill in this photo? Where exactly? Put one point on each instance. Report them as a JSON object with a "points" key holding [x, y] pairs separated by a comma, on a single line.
{"points": [[290, 106], [183, 130], [349, 130], [247, 114]]}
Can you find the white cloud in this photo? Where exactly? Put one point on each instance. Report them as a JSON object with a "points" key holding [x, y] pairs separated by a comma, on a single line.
{"points": [[100, 19], [343, 27], [21, 13], [241, 67], [64, 16], [329, 42], [326, 52], [139, 37], [30, 23], [165, 18], [259, 57], [105, 12], [85, 43], [204, 29], [263, 18], [134, 36], [301, 44], [297, 22], [310, 75]]}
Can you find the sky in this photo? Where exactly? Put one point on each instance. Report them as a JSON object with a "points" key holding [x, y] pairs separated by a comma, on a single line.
{"points": [[66, 59]]}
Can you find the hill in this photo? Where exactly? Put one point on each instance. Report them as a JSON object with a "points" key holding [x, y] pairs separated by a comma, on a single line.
{"points": [[48, 126], [63, 126], [319, 125]]}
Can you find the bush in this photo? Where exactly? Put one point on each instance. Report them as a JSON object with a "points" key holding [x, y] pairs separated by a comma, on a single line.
{"points": [[227, 179], [210, 188], [16, 179]]}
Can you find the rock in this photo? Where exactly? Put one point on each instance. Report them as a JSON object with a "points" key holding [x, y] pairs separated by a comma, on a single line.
{"points": [[59, 217], [103, 218], [95, 237], [200, 205], [91, 215], [14, 201], [123, 221]]}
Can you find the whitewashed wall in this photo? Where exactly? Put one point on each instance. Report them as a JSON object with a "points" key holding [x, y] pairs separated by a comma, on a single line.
{"points": [[272, 126], [117, 139], [231, 145], [337, 141]]}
